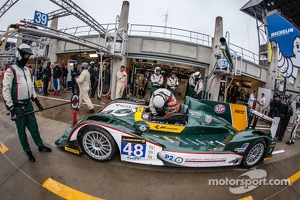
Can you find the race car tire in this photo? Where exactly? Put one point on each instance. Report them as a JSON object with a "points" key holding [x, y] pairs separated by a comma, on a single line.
{"points": [[98, 144], [254, 154]]}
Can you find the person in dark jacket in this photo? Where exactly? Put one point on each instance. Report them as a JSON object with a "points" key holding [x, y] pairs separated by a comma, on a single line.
{"points": [[64, 77], [46, 78], [96, 80], [74, 73], [286, 112], [57, 72], [92, 73]]}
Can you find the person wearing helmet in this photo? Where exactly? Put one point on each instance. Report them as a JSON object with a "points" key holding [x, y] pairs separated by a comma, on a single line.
{"points": [[84, 81], [46, 78], [160, 100], [295, 124], [121, 82], [172, 83], [157, 80], [18, 93]]}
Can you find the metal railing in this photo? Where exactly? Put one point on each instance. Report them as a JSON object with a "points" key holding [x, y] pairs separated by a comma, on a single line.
{"points": [[170, 33], [165, 32]]}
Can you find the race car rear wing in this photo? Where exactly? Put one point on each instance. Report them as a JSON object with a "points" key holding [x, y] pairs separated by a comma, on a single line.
{"points": [[255, 116]]}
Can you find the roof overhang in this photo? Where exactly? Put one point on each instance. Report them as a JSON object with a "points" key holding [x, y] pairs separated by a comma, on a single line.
{"points": [[287, 9]]}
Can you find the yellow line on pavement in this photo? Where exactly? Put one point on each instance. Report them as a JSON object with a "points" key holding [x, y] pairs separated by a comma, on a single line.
{"points": [[66, 192], [246, 198], [3, 148], [294, 177]]}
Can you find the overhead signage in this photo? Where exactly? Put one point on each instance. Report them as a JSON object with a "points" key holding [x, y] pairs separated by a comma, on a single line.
{"points": [[40, 18]]}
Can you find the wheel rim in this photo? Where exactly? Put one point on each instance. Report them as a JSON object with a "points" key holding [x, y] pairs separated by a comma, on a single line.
{"points": [[255, 154], [97, 145]]}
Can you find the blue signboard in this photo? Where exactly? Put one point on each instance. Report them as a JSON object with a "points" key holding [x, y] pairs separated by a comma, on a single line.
{"points": [[287, 38], [40, 18]]}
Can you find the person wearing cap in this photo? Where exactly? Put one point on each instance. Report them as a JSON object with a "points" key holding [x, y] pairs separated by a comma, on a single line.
{"points": [[172, 83], [192, 83], [84, 82], [18, 93], [160, 100], [157, 80]]}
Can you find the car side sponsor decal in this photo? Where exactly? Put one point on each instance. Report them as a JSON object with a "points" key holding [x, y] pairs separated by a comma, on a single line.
{"points": [[219, 108], [239, 116], [200, 159], [138, 114], [165, 127], [208, 119], [134, 148], [242, 148]]}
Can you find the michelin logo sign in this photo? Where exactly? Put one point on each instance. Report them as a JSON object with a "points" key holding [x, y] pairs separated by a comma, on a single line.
{"points": [[287, 39]]}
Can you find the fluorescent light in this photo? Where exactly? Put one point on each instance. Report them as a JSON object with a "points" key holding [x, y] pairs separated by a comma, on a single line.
{"points": [[94, 55]]}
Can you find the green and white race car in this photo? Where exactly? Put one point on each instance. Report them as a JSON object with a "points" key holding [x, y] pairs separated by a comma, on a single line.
{"points": [[203, 134]]}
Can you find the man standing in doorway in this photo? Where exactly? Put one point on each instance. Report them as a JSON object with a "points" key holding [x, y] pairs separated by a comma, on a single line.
{"points": [[157, 80], [121, 82], [56, 78], [172, 83], [192, 83], [251, 100], [261, 102], [46, 78]]}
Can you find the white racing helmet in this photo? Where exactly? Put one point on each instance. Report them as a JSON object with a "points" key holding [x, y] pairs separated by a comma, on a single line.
{"points": [[159, 100], [23, 52], [197, 74], [157, 69]]}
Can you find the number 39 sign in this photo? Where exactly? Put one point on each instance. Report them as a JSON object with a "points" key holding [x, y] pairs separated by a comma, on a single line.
{"points": [[40, 18]]}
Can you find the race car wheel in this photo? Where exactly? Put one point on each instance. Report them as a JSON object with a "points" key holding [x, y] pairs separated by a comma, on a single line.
{"points": [[98, 144], [254, 154]]}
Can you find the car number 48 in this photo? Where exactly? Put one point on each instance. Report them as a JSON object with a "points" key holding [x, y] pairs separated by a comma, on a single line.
{"points": [[133, 149]]}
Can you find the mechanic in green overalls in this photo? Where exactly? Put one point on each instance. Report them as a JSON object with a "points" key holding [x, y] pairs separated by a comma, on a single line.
{"points": [[18, 92], [157, 80]]}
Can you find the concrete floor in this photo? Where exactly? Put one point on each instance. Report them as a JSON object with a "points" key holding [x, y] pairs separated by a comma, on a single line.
{"points": [[22, 179]]}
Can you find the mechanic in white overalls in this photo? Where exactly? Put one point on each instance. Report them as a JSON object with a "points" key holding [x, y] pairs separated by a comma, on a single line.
{"points": [[157, 80], [121, 82], [84, 82], [172, 83]]}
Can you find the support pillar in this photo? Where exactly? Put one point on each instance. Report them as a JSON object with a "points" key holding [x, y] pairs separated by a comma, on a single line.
{"points": [[213, 82], [117, 62]]}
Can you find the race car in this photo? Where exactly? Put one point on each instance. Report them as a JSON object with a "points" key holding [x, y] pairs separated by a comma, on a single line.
{"points": [[202, 133]]}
